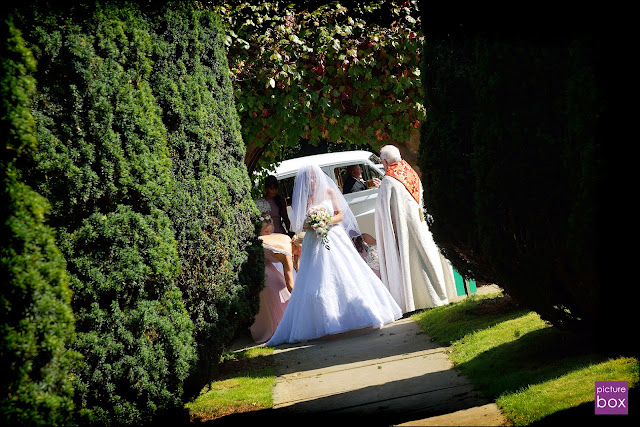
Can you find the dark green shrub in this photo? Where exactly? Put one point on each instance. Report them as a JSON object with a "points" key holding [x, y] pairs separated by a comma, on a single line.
{"points": [[36, 320], [141, 158], [212, 211], [105, 166], [510, 154], [135, 334], [36, 316]]}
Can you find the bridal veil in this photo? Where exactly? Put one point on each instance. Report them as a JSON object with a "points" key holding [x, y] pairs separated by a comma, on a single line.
{"points": [[312, 187]]}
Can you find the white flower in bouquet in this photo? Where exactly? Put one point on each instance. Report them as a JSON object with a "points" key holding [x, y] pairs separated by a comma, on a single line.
{"points": [[319, 219]]}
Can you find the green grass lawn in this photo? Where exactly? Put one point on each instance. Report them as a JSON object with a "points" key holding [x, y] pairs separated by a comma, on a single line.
{"points": [[531, 369], [244, 384]]}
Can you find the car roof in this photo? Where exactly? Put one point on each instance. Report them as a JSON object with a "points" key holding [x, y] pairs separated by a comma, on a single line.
{"points": [[287, 167]]}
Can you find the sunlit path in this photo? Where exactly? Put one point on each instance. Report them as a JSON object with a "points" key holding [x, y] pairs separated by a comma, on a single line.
{"points": [[395, 372]]}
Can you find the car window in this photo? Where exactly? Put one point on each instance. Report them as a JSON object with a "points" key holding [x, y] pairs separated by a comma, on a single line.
{"points": [[340, 174], [368, 173]]}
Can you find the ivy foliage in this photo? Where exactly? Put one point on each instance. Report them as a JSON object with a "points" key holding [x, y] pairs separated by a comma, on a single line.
{"points": [[511, 145], [36, 320], [324, 71]]}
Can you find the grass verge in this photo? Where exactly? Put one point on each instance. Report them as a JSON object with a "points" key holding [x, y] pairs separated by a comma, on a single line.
{"points": [[244, 382], [529, 368]]}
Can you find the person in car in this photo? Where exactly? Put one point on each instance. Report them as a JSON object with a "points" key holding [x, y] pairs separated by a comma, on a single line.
{"points": [[354, 181]]}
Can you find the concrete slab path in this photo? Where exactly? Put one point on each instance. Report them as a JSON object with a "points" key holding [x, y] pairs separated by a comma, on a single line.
{"points": [[394, 375]]}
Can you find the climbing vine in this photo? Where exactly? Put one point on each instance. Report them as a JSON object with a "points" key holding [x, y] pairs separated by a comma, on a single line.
{"points": [[324, 71]]}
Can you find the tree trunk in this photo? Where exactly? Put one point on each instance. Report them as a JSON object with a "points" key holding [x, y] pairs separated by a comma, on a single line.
{"points": [[254, 152], [409, 150]]}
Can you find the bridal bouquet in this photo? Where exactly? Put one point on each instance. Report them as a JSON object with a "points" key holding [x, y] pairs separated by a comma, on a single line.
{"points": [[319, 219]]}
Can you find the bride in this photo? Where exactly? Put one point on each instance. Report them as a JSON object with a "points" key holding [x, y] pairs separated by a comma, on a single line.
{"points": [[336, 291]]}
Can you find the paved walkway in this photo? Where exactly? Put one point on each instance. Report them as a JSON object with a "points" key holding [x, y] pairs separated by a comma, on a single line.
{"points": [[390, 376]]}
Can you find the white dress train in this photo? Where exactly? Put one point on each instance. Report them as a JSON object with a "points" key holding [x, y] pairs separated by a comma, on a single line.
{"points": [[336, 291]]}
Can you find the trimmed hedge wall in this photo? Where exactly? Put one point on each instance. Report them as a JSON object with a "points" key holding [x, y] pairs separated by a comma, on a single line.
{"points": [[141, 159], [512, 165], [212, 210], [36, 320]]}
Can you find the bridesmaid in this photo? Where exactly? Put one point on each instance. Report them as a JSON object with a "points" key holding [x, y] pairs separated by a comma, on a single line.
{"points": [[278, 284]]}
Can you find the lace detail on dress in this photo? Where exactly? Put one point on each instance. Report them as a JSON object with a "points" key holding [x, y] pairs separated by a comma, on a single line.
{"points": [[372, 256], [276, 250]]}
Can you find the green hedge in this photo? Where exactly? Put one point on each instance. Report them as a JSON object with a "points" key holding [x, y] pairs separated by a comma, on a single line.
{"points": [[512, 169], [212, 211], [36, 320], [141, 158], [104, 165]]}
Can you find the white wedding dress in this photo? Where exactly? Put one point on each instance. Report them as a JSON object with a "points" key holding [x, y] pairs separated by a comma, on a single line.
{"points": [[335, 291]]}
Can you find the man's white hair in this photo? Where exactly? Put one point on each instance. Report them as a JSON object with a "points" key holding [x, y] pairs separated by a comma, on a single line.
{"points": [[390, 153]]}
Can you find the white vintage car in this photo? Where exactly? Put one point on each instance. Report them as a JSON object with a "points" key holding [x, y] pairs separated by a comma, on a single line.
{"points": [[362, 203]]}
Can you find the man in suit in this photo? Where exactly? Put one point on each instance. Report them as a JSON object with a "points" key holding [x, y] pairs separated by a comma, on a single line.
{"points": [[354, 182]]}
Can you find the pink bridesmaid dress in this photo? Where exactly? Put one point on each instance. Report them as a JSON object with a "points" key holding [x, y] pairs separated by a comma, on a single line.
{"points": [[273, 301]]}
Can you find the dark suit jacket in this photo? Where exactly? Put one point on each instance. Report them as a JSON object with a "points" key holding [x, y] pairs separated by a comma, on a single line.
{"points": [[351, 185]]}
